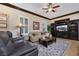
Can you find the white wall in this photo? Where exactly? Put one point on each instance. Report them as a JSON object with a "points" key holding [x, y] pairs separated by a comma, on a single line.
{"points": [[13, 18]]}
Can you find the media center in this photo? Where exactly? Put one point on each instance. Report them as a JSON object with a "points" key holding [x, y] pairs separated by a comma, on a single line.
{"points": [[66, 29]]}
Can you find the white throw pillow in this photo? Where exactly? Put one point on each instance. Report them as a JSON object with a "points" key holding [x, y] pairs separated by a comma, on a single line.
{"points": [[43, 37], [15, 33], [47, 34]]}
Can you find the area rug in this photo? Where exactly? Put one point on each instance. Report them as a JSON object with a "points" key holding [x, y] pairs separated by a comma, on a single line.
{"points": [[54, 49]]}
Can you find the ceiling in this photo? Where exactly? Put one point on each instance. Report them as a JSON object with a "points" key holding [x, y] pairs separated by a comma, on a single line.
{"points": [[64, 8]]}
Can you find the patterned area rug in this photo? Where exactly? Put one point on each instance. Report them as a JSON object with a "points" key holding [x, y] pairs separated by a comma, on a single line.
{"points": [[54, 49]]}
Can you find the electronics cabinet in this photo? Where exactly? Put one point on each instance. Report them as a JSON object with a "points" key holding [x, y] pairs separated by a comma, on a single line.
{"points": [[66, 29], [62, 28], [73, 30]]}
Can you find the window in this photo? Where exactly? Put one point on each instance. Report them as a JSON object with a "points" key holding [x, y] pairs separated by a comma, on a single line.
{"points": [[43, 26], [24, 22]]}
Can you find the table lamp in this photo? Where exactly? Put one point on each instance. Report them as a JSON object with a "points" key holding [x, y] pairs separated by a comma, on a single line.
{"points": [[20, 27]]}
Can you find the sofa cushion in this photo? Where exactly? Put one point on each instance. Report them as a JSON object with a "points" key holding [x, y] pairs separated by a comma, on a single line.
{"points": [[6, 44], [34, 36], [15, 33], [3, 49], [24, 50], [4, 37], [10, 47], [18, 42], [9, 34]]}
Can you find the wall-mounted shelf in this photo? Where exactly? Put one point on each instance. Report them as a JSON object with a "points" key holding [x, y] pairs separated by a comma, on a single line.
{"points": [[3, 21]]}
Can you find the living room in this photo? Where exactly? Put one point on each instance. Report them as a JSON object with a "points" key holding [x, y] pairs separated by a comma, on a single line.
{"points": [[38, 31]]}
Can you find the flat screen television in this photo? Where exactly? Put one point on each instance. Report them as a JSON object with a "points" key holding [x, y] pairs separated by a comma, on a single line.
{"points": [[61, 28]]}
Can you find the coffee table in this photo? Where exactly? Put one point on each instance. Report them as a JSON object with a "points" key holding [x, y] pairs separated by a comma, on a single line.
{"points": [[44, 42]]}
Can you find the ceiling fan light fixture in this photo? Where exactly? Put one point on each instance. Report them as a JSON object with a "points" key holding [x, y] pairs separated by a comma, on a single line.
{"points": [[50, 9]]}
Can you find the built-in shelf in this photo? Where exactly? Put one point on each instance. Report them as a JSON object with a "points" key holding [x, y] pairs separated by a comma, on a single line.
{"points": [[73, 28]]}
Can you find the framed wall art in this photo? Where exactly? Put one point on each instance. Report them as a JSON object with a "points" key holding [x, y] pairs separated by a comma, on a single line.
{"points": [[36, 25], [3, 21]]}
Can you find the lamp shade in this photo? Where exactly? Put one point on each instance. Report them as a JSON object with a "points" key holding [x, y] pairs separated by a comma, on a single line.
{"points": [[19, 26]]}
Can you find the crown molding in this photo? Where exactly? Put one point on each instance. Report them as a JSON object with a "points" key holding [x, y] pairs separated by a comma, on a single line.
{"points": [[21, 9], [65, 15]]}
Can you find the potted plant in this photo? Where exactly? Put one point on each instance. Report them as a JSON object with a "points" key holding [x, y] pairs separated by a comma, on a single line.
{"points": [[49, 28]]}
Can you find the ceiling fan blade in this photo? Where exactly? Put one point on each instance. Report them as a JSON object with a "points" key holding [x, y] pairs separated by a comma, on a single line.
{"points": [[53, 10], [56, 6], [47, 11], [44, 8]]}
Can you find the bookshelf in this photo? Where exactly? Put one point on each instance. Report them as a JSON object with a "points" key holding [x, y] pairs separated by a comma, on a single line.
{"points": [[73, 28]]}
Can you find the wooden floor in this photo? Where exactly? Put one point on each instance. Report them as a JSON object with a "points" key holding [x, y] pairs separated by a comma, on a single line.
{"points": [[73, 49]]}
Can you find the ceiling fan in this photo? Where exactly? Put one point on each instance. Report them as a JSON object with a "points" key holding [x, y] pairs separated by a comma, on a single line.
{"points": [[51, 7]]}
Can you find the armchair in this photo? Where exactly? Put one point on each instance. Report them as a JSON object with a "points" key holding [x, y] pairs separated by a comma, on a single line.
{"points": [[34, 36], [47, 37]]}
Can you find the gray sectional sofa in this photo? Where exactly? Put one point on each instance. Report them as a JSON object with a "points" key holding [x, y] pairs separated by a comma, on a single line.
{"points": [[15, 46]]}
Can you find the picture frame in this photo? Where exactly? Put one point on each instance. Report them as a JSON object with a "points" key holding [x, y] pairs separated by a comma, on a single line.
{"points": [[36, 25], [3, 20]]}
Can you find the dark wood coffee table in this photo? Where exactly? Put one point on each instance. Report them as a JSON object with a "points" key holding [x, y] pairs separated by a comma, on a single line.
{"points": [[44, 42]]}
